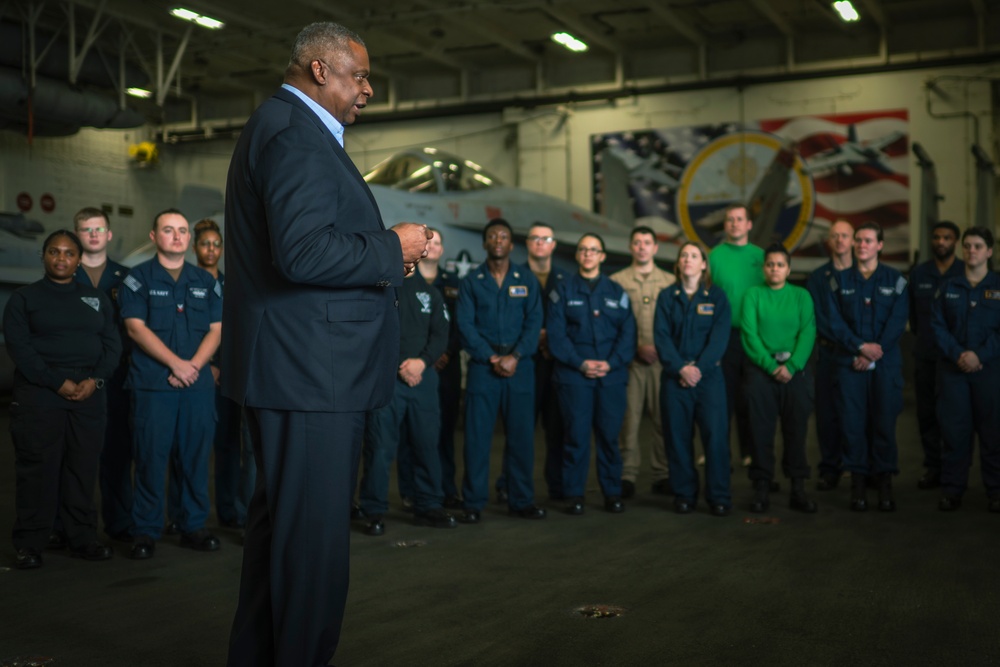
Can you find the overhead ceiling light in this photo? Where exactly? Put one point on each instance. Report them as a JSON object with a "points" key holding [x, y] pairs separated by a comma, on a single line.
{"points": [[569, 41], [195, 17], [139, 92], [846, 10]]}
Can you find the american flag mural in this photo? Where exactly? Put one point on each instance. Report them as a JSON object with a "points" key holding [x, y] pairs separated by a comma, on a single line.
{"points": [[798, 175]]}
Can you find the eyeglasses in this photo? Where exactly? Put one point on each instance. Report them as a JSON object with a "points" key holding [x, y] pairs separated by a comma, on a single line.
{"points": [[543, 239], [92, 230], [589, 251], [209, 244]]}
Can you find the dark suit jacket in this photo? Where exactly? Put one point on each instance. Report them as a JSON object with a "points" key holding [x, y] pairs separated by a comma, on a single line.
{"points": [[309, 314]]}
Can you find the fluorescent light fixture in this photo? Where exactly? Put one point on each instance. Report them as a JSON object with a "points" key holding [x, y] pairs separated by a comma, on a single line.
{"points": [[195, 17], [846, 10], [139, 92], [569, 41]]}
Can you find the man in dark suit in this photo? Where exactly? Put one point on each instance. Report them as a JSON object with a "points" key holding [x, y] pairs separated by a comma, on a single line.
{"points": [[311, 342]]}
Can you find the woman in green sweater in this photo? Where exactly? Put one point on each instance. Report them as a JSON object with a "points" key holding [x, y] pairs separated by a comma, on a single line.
{"points": [[779, 329]]}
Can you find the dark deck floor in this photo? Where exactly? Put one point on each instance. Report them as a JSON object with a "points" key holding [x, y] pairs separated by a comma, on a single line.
{"points": [[918, 587]]}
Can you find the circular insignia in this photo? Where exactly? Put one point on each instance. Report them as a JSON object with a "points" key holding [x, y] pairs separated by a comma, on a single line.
{"points": [[753, 167]]}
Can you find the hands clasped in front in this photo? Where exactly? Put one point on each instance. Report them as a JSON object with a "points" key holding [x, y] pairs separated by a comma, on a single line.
{"points": [[77, 391], [183, 374], [413, 240]]}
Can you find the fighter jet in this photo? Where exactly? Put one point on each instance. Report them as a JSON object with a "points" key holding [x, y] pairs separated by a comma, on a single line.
{"points": [[853, 152]]}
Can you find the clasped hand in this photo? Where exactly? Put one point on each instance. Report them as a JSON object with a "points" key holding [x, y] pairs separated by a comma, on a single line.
{"points": [[77, 391], [413, 240]]}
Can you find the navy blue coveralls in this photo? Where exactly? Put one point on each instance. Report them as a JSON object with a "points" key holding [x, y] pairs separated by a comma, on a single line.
{"points": [[180, 314], [449, 395], [871, 310], [115, 478], [924, 282], [968, 318], [499, 320], [686, 330], [585, 323], [413, 414], [828, 432]]}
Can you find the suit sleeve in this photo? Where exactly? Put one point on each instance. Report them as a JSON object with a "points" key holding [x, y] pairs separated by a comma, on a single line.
{"points": [[305, 190], [718, 339]]}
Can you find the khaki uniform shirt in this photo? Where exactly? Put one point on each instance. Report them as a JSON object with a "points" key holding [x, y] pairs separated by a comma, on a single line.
{"points": [[643, 291]]}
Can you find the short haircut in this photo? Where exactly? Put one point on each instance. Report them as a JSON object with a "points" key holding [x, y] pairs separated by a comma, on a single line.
{"points": [[706, 276], [317, 40], [168, 211], [733, 207], [778, 249], [540, 224], [88, 213], [642, 229], [62, 232], [497, 222], [206, 225], [947, 224], [982, 232], [592, 236], [874, 226]]}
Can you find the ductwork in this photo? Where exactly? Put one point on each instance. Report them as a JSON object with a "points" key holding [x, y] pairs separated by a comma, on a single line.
{"points": [[57, 108]]}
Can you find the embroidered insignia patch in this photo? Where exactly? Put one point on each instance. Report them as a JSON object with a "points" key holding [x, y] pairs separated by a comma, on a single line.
{"points": [[425, 302], [518, 290], [706, 309], [131, 283], [92, 301]]}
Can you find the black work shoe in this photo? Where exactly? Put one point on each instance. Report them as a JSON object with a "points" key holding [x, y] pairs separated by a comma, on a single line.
{"points": [[200, 540], [931, 479], [502, 496], [356, 512], [720, 510], [143, 548], [529, 512], [662, 487], [172, 528], [828, 481], [682, 506], [407, 503], [470, 516], [761, 496], [949, 503], [57, 540], [28, 559], [614, 504], [92, 551], [452, 503], [575, 506], [435, 518], [375, 527], [798, 501], [628, 488], [859, 492], [885, 500]]}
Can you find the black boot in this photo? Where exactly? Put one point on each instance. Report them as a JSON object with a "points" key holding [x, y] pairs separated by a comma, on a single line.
{"points": [[761, 502], [798, 500], [885, 501], [859, 488]]}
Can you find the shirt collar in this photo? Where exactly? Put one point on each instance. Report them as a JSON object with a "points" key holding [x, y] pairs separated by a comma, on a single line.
{"points": [[332, 124]]}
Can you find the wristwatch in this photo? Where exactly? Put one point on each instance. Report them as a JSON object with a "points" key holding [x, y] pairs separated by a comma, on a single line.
{"points": [[98, 382]]}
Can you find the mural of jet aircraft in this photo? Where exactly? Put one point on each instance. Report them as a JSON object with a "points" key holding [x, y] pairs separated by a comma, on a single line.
{"points": [[852, 152]]}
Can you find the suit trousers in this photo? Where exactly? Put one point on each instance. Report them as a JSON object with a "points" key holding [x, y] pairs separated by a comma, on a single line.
{"points": [[297, 550], [643, 397], [768, 401], [969, 404], [56, 453], [235, 470]]}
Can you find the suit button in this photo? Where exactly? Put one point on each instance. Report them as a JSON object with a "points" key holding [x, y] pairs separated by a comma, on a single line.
{"points": [[396, 304]]}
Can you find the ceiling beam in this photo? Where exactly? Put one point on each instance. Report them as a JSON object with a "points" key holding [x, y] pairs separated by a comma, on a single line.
{"points": [[488, 30], [662, 10], [772, 15]]}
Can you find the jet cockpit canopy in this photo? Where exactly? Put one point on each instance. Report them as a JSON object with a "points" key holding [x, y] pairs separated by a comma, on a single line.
{"points": [[432, 171]]}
